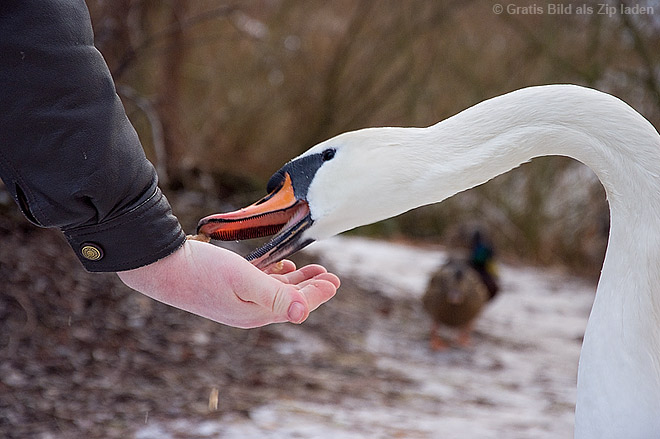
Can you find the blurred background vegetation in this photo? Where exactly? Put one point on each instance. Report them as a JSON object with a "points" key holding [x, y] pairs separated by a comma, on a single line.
{"points": [[223, 93]]}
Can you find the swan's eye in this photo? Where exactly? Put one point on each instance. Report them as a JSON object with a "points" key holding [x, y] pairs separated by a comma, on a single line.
{"points": [[328, 154]]}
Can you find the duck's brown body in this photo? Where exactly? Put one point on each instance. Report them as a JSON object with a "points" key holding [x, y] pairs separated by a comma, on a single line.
{"points": [[455, 295]]}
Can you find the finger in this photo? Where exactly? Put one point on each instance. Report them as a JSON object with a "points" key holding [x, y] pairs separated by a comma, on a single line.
{"points": [[302, 274], [282, 267], [333, 279], [318, 292]]}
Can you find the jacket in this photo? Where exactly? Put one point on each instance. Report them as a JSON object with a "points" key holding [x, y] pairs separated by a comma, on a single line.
{"points": [[68, 154]]}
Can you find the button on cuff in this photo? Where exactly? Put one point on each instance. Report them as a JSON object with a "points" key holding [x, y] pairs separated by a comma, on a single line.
{"points": [[137, 237], [91, 251]]}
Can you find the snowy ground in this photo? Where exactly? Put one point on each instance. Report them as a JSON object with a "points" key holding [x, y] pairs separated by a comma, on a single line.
{"points": [[516, 381]]}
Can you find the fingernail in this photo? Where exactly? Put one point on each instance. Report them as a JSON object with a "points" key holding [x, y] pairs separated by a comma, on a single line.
{"points": [[278, 267], [296, 312]]}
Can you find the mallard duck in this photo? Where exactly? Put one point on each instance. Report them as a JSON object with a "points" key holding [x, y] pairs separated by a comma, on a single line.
{"points": [[458, 291], [372, 174]]}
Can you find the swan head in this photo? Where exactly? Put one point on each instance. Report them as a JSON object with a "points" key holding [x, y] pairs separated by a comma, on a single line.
{"points": [[342, 183]]}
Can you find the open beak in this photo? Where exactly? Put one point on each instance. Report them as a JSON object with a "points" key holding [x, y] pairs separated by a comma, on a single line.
{"points": [[279, 213]]}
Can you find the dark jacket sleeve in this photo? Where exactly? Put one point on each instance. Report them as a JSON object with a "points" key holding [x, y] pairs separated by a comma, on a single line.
{"points": [[68, 154]]}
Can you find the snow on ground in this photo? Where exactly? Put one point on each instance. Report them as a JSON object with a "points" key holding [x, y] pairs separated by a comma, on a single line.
{"points": [[516, 381]]}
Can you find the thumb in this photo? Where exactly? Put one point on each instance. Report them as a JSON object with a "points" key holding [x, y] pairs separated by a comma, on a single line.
{"points": [[289, 304]]}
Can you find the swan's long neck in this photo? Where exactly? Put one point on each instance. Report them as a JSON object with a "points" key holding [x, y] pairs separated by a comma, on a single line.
{"points": [[619, 372]]}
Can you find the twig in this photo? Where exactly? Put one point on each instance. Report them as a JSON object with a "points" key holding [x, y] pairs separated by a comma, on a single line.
{"points": [[650, 78], [30, 325], [131, 54], [156, 125]]}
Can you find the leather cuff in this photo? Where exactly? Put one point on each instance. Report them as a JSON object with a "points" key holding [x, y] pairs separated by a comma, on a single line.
{"points": [[139, 237]]}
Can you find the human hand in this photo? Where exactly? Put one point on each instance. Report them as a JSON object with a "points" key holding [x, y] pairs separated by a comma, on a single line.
{"points": [[222, 286]]}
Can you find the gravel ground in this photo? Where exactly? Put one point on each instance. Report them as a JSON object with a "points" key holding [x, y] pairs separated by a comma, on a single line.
{"points": [[82, 356]]}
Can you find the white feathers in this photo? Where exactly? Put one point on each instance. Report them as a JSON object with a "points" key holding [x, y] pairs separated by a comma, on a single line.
{"points": [[382, 172]]}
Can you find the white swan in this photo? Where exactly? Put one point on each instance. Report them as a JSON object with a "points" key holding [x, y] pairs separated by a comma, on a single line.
{"points": [[368, 175]]}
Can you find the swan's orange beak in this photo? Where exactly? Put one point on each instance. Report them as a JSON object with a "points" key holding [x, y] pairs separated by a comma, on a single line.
{"points": [[279, 213], [263, 218]]}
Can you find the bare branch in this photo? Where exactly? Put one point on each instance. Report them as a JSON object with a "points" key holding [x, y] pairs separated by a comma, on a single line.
{"points": [[131, 54], [650, 78], [156, 126]]}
